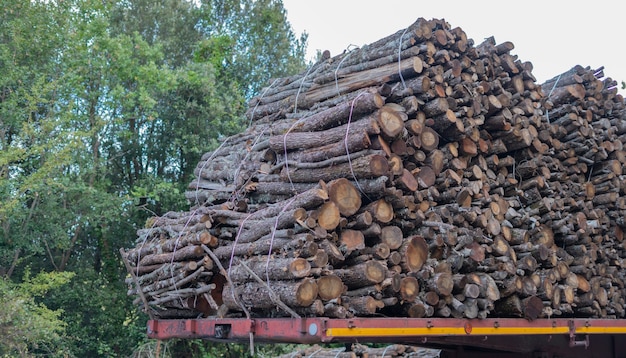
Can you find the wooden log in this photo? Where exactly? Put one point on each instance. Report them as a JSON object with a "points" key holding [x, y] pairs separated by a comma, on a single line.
{"points": [[379, 251], [392, 236], [273, 268], [316, 309], [351, 240], [566, 93], [414, 253], [334, 310], [407, 181], [441, 283], [529, 308], [362, 305], [328, 216], [183, 254], [366, 102], [372, 59], [301, 140], [381, 211], [391, 122], [171, 284], [488, 287], [419, 309], [335, 256], [300, 293], [429, 139], [261, 246], [364, 274], [345, 196], [331, 153], [354, 81], [153, 273], [365, 167], [330, 287], [409, 289]]}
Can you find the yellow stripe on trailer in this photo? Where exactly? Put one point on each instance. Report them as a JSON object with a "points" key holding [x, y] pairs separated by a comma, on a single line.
{"points": [[397, 332], [443, 331], [601, 330]]}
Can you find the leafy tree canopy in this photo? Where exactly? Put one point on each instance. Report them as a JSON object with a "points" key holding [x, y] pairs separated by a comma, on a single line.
{"points": [[28, 328], [105, 110]]}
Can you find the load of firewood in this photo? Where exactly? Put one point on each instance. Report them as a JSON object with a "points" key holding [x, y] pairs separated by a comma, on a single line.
{"points": [[362, 351], [420, 175]]}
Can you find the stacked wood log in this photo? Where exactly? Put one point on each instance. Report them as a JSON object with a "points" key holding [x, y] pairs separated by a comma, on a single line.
{"points": [[362, 351], [418, 176]]}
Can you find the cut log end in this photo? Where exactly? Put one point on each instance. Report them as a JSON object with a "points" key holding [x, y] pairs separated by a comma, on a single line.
{"points": [[345, 196], [328, 216], [307, 292], [415, 253], [329, 287]]}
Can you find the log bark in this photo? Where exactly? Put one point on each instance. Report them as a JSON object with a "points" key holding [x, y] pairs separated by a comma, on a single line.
{"points": [[272, 268], [418, 176], [301, 293], [367, 166], [364, 274]]}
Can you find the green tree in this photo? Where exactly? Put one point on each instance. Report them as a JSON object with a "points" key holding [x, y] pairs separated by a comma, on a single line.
{"points": [[34, 143], [253, 41], [101, 104], [28, 328], [169, 23]]}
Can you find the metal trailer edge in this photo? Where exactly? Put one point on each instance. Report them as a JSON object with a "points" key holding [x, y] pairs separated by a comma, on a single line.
{"points": [[492, 337]]}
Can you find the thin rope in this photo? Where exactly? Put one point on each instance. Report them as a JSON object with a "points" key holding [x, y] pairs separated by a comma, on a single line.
{"points": [[269, 253], [339, 351], [339, 66], [293, 188], [345, 142], [191, 215], [243, 160], [232, 253], [259, 101], [145, 239], [400, 58], [385, 351], [314, 353], [550, 94], [204, 164], [295, 105]]}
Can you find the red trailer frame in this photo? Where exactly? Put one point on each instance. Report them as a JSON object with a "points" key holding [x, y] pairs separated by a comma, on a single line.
{"points": [[562, 337]]}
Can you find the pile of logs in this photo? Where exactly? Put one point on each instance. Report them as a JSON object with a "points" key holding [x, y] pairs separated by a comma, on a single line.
{"points": [[362, 351], [417, 176]]}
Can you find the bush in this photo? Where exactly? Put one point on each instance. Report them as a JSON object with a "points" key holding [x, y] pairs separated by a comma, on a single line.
{"points": [[29, 328]]}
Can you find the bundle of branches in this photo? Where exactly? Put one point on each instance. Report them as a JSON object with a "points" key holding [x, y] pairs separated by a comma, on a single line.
{"points": [[417, 176], [362, 351]]}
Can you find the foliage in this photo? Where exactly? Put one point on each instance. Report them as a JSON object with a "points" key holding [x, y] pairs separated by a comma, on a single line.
{"points": [[105, 110], [28, 328], [200, 348], [101, 321], [253, 39]]}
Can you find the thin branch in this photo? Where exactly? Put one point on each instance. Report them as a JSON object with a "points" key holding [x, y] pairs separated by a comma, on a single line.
{"points": [[139, 290], [50, 255], [227, 276], [273, 296]]}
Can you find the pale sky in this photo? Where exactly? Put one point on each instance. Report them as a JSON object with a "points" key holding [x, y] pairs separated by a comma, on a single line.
{"points": [[553, 35]]}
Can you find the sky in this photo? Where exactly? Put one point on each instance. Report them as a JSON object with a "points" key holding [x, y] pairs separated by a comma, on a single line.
{"points": [[553, 35]]}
